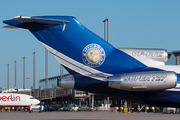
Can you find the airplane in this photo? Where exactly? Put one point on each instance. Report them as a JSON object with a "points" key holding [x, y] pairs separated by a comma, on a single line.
{"points": [[138, 75], [17, 100]]}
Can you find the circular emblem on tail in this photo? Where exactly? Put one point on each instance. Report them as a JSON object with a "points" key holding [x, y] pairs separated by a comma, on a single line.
{"points": [[93, 55]]}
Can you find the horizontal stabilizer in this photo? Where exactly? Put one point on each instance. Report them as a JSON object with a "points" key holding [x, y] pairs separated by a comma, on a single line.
{"points": [[24, 19], [10, 26]]}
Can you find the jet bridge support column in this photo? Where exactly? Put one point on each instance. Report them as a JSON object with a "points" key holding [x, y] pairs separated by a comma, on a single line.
{"points": [[107, 100], [89, 95], [92, 101], [79, 103], [138, 107], [62, 100]]}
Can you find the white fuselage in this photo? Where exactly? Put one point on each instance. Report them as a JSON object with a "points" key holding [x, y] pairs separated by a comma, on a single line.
{"points": [[17, 100]]}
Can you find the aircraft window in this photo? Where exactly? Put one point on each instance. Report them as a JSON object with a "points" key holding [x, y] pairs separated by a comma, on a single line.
{"points": [[32, 98]]}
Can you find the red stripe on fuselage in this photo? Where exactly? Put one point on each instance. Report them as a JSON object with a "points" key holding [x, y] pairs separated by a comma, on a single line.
{"points": [[14, 105]]}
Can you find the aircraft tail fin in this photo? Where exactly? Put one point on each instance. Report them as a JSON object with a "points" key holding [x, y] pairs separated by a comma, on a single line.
{"points": [[76, 47]]}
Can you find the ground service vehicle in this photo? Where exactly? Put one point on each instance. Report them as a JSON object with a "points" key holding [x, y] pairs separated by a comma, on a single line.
{"points": [[38, 108]]}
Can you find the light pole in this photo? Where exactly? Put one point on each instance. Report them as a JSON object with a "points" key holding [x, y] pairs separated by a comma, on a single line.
{"points": [[15, 75], [34, 70], [46, 68], [23, 72], [27, 81], [8, 76], [107, 29], [107, 38]]}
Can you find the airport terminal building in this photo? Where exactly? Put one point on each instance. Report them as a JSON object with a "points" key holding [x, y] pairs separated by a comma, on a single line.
{"points": [[57, 95]]}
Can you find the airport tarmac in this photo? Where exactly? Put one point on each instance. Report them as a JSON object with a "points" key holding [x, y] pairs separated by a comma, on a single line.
{"points": [[21, 115]]}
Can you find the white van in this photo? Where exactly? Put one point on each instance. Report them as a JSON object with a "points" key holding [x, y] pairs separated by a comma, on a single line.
{"points": [[38, 108]]}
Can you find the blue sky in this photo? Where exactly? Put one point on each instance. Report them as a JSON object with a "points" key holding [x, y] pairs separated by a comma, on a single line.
{"points": [[132, 24]]}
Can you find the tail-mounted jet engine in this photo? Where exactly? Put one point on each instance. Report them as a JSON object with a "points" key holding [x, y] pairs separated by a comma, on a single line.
{"points": [[144, 81], [150, 57]]}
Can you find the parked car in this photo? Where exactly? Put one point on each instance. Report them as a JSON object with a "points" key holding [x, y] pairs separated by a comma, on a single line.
{"points": [[46, 107], [61, 107], [71, 107], [52, 108], [84, 108]]}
